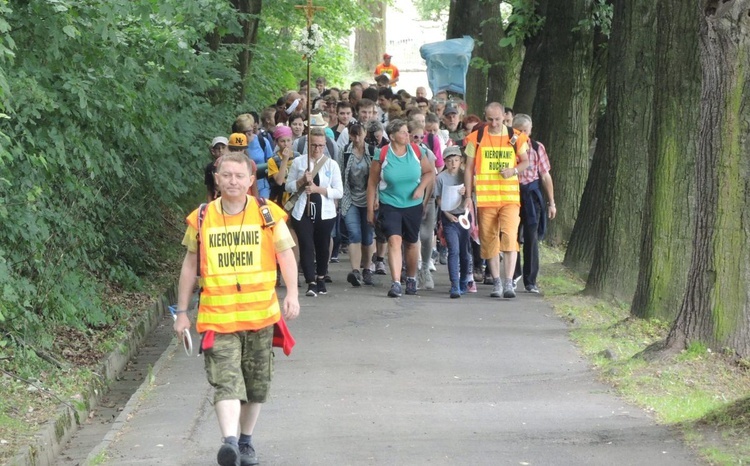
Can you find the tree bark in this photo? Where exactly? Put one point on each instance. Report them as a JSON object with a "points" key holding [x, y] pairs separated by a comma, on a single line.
{"points": [[496, 81], [716, 307], [531, 67], [580, 251], [369, 44], [630, 86], [667, 234], [561, 109]]}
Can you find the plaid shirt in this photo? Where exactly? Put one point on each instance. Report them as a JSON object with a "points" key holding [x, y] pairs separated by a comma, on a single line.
{"points": [[538, 164]]}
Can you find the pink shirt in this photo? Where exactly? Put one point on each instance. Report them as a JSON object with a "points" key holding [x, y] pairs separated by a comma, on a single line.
{"points": [[538, 164]]}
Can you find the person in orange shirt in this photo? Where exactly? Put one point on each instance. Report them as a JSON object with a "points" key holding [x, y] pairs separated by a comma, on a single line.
{"points": [[387, 68], [239, 241], [495, 155]]}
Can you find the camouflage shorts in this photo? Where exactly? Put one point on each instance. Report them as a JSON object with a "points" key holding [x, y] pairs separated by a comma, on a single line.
{"points": [[240, 365]]}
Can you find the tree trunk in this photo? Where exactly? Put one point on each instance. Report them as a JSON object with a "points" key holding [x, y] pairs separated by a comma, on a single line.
{"points": [[715, 310], [630, 91], [531, 67], [496, 81], [561, 109], [580, 251], [369, 44], [667, 234], [249, 18]]}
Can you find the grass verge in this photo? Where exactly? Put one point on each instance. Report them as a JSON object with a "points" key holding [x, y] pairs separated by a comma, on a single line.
{"points": [[701, 392]]}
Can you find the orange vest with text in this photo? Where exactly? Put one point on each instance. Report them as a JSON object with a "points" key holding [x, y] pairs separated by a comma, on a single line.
{"points": [[493, 154], [238, 269]]}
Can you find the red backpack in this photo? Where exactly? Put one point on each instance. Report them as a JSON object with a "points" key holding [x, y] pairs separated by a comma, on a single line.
{"points": [[384, 152]]}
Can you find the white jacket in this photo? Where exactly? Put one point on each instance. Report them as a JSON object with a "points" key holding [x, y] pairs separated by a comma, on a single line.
{"points": [[330, 178]]}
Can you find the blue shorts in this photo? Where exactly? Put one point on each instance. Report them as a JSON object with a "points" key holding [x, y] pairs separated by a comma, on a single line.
{"points": [[357, 227]]}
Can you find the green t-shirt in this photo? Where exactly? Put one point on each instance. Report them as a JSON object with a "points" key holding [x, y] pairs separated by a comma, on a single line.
{"points": [[399, 177]]}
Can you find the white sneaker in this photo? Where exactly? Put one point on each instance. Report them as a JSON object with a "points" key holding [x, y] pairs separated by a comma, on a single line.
{"points": [[431, 266]]}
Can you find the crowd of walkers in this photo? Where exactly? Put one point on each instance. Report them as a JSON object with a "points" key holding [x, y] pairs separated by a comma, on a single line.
{"points": [[399, 179]]}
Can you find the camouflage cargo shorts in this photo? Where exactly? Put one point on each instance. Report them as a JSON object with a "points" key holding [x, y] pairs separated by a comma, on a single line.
{"points": [[240, 365]]}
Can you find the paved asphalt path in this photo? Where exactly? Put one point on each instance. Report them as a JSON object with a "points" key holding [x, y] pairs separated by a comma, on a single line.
{"points": [[411, 381]]}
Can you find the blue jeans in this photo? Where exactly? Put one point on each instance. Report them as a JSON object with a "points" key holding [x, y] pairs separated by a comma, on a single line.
{"points": [[458, 252], [356, 224]]}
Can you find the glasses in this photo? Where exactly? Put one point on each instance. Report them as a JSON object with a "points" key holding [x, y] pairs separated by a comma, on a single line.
{"points": [[317, 146], [418, 137], [229, 176]]}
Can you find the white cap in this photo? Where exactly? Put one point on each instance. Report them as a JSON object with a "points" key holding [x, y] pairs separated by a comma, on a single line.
{"points": [[219, 140]]}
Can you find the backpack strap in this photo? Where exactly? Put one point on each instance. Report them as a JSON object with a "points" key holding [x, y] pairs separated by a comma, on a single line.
{"points": [[198, 237], [265, 212], [383, 153], [480, 135]]}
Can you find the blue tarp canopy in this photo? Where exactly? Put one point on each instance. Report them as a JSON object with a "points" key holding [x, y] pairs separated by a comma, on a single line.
{"points": [[447, 64]]}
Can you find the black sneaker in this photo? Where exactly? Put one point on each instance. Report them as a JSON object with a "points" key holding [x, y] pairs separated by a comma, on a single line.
{"points": [[229, 455], [322, 286], [355, 278], [327, 279], [247, 455], [367, 276], [411, 286], [312, 290], [334, 260]]}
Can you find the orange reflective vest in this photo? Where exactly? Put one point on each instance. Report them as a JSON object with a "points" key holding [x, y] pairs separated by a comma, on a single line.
{"points": [[238, 269], [493, 154]]}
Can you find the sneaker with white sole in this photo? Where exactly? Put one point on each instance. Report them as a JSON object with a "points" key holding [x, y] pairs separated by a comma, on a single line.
{"points": [[497, 288], [395, 291], [429, 282], [312, 290], [380, 268], [508, 291], [532, 289]]}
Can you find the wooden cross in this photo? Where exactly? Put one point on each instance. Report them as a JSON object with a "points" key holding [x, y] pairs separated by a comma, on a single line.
{"points": [[310, 10]]}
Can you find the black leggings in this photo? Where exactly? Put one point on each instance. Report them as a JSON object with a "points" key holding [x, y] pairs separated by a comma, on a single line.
{"points": [[314, 238]]}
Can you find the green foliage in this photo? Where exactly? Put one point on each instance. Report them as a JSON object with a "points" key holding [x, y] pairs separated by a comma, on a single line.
{"points": [[521, 20], [106, 108], [108, 111], [432, 10], [600, 19]]}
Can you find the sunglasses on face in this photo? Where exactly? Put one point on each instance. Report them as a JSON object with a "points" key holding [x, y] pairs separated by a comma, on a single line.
{"points": [[418, 137]]}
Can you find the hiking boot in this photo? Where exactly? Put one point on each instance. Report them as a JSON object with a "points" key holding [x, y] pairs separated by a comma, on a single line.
{"points": [[471, 287], [395, 291], [380, 268], [322, 286], [229, 455], [429, 283], [411, 286], [508, 291], [247, 455], [532, 289], [367, 277], [497, 288], [355, 278], [312, 290], [455, 292]]}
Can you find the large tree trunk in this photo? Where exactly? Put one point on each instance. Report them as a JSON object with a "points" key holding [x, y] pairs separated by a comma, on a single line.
{"points": [[669, 210], [630, 90], [561, 108], [496, 81], [580, 251], [716, 308], [531, 68], [369, 44]]}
